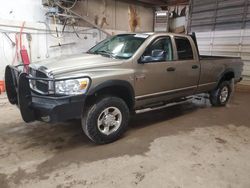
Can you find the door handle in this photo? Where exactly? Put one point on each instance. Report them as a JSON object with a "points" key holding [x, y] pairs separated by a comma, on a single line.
{"points": [[195, 66], [171, 69]]}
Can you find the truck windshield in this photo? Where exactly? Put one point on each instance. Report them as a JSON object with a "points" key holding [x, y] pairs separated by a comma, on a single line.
{"points": [[119, 46]]}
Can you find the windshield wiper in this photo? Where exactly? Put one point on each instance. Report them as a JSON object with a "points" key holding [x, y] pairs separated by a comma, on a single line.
{"points": [[103, 52], [89, 52]]}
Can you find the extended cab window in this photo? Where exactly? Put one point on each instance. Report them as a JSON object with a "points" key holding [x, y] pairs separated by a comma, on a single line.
{"points": [[184, 48], [159, 51]]}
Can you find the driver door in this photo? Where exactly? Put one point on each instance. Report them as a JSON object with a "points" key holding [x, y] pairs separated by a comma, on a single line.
{"points": [[151, 80]]}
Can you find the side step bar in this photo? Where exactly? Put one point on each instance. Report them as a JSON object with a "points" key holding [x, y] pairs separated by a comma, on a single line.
{"points": [[162, 107], [189, 99]]}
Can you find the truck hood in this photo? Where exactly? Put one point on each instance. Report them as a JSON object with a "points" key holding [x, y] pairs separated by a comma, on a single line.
{"points": [[71, 63]]}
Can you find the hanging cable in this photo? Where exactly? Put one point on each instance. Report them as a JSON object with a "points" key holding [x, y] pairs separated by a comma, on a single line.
{"points": [[42, 31], [82, 31], [72, 6], [21, 32], [16, 57]]}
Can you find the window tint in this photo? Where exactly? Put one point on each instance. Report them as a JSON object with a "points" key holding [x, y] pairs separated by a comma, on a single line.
{"points": [[162, 44], [184, 48]]}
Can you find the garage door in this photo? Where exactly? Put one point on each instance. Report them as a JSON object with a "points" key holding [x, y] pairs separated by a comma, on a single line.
{"points": [[222, 28]]}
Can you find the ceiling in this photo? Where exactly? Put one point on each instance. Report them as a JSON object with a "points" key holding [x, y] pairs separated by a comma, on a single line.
{"points": [[160, 2], [164, 2]]}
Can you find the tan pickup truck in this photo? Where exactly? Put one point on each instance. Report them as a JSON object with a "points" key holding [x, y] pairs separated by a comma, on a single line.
{"points": [[117, 77]]}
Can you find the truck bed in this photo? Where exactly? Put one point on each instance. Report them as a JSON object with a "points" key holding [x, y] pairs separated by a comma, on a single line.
{"points": [[207, 57]]}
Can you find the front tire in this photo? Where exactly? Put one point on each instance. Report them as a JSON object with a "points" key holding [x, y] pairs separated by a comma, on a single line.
{"points": [[221, 95], [106, 120]]}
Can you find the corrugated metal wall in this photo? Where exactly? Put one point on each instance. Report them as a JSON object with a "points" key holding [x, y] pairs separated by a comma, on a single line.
{"points": [[223, 28]]}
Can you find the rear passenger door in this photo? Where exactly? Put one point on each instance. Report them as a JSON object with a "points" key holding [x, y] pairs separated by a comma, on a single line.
{"points": [[184, 72]]}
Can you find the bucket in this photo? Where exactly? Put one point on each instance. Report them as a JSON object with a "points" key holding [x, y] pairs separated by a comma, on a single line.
{"points": [[2, 86]]}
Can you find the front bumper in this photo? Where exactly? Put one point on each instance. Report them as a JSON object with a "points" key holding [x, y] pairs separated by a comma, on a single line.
{"points": [[56, 109], [34, 106]]}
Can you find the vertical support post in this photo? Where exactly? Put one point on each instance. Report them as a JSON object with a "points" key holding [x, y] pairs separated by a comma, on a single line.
{"points": [[243, 27], [189, 24], [214, 27], [167, 29]]}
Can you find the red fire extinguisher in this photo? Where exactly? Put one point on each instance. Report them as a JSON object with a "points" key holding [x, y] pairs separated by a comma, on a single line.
{"points": [[24, 53], [23, 50]]}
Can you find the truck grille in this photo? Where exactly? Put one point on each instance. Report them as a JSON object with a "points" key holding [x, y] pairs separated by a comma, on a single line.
{"points": [[40, 86]]}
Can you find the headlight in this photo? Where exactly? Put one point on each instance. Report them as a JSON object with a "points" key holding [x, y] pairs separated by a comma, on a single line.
{"points": [[72, 87]]}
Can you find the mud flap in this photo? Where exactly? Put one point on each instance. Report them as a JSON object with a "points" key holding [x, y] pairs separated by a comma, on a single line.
{"points": [[24, 99], [10, 85], [232, 86]]}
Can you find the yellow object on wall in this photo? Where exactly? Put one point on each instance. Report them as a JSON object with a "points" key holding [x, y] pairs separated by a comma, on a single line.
{"points": [[134, 19]]}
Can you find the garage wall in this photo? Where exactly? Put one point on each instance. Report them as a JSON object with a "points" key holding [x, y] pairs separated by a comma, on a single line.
{"points": [[117, 14], [44, 42], [235, 43], [209, 15], [22, 10], [223, 28]]}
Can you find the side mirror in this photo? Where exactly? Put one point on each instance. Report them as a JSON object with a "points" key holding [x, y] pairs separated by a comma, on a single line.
{"points": [[158, 53], [143, 59]]}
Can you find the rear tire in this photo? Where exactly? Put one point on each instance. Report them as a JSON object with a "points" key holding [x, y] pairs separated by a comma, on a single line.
{"points": [[221, 95], [106, 120]]}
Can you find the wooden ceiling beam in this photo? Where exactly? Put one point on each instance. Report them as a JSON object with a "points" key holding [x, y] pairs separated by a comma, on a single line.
{"points": [[157, 3]]}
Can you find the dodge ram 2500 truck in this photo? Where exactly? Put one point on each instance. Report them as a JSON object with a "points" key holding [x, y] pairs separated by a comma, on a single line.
{"points": [[119, 76]]}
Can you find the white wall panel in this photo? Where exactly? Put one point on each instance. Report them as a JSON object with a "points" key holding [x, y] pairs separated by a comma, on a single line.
{"points": [[222, 28], [234, 43]]}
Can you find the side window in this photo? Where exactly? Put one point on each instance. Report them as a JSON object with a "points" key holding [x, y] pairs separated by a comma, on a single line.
{"points": [[159, 51], [184, 48]]}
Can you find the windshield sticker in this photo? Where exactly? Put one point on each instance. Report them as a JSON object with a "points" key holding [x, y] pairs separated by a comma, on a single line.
{"points": [[141, 36]]}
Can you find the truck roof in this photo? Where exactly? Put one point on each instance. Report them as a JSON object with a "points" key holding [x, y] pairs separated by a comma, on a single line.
{"points": [[156, 33]]}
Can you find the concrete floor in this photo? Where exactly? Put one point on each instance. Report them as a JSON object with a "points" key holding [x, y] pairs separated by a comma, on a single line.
{"points": [[190, 145]]}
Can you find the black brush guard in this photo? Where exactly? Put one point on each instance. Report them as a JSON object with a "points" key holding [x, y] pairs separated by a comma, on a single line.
{"points": [[35, 106], [21, 96]]}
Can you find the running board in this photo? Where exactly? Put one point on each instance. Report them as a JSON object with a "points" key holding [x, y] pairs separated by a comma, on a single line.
{"points": [[188, 99], [201, 96], [162, 107]]}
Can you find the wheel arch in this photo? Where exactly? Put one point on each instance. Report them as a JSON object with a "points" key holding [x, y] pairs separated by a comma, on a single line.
{"points": [[119, 88], [227, 75]]}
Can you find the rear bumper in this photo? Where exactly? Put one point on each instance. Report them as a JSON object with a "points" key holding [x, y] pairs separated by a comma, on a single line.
{"points": [[40, 107]]}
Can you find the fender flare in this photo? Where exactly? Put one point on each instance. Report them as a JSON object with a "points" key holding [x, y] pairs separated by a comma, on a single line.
{"points": [[228, 70], [114, 83]]}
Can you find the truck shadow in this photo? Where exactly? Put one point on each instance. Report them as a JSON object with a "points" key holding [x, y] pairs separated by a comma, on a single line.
{"points": [[68, 135], [137, 122], [68, 144], [153, 117]]}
